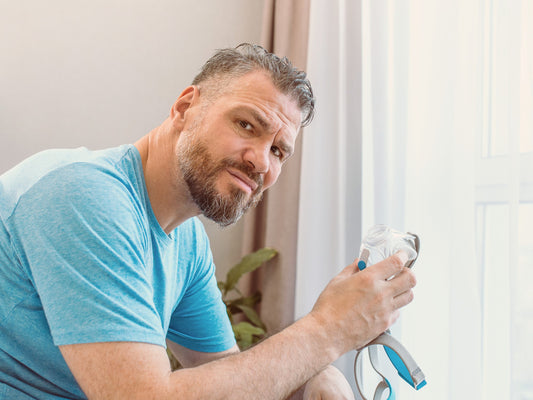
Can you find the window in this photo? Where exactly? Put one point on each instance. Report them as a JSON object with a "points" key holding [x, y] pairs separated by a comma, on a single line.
{"points": [[504, 201]]}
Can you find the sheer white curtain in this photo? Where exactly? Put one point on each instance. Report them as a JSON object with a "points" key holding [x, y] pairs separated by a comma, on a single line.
{"points": [[447, 152], [423, 105], [330, 198], [447, 140]]}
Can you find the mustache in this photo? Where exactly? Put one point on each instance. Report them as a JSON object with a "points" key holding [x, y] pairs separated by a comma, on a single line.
{"points": [[244, 168]]}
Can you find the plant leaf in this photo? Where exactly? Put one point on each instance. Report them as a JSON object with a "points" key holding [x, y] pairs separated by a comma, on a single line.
{"points": [[244, 334], [249, 301], [248, 263], [252, 315]]}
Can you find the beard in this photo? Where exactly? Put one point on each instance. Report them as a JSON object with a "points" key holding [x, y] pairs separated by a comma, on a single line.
{"points": [[200, 173]]}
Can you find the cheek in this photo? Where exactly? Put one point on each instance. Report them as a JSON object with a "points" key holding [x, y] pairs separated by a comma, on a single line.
{"points": [[272, 176]]}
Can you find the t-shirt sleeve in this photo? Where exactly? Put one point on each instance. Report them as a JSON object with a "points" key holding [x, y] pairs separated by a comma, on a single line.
{"points": [[81, 240], [200, 321]]}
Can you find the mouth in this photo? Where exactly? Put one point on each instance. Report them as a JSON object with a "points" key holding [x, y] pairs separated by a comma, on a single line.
{"points": [[243, 181]]}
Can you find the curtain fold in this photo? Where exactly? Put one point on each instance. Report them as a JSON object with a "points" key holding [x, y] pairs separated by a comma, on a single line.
{"points": [[274, 221], [330, 196]]}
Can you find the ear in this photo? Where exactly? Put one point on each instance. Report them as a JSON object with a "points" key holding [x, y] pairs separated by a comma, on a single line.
{"points": [[183, 104]]}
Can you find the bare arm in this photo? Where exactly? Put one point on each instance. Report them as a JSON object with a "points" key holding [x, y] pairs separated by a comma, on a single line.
{"points": [[126, 370], [353, 309], [329, 383], [189, 358]]}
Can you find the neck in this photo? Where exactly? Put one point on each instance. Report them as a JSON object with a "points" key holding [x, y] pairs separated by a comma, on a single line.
{"points": [[168, 192]]}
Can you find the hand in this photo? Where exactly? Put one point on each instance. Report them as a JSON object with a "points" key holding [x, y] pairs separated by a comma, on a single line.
{"points": [[357, 306], [329, 384]]}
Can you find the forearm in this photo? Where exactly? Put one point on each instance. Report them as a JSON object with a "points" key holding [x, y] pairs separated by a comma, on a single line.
{"points": [[272, 369], [352, 310]]}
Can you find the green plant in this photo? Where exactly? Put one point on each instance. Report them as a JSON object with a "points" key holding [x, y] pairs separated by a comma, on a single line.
{"points": [[250, 331], [246, 323]]}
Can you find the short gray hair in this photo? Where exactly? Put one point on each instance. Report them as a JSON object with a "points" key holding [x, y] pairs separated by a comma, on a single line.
{"points": [[245, 58]]}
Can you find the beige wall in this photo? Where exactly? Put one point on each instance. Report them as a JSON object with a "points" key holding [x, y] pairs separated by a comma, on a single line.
{"points": [[104, 72]]}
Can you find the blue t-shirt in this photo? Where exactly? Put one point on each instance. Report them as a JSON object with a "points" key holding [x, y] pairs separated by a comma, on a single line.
{"points": [[83, 259]]}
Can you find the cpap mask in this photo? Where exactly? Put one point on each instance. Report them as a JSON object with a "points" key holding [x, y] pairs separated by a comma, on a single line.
{"points": [[379, 243]]}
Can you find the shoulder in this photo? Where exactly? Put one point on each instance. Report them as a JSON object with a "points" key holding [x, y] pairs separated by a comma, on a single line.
{"points": [[53, 174], [93, 189], [99, 170]]}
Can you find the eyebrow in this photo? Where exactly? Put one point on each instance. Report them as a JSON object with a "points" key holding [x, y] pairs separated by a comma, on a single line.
{"points": [[287, 149], [264, 123]]}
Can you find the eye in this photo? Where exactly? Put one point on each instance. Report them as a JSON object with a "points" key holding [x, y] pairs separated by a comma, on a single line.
{"points": [[277, 152], [245, 125]]}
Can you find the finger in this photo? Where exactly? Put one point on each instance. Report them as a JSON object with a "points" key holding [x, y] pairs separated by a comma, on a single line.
{"points": [[403, 281], [390, 266], [403, 299]]}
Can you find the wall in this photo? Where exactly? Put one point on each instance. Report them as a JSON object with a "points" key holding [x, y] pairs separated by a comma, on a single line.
{"points": [[102, 73]]}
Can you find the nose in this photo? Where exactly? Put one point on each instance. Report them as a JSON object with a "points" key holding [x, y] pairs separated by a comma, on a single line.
{"points": [[258, 157]]}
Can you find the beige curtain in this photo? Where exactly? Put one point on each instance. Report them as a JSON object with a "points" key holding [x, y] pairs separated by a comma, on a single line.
{"points": [[274, 222]]}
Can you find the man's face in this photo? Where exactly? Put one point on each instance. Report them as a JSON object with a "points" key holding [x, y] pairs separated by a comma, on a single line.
{"points": [[235, 147]]}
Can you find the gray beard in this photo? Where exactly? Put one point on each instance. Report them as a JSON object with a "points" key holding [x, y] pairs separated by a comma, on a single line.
{"points": [[200, 174]]}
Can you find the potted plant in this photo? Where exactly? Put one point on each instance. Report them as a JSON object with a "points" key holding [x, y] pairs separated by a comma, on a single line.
{"points": [[247, 327]]}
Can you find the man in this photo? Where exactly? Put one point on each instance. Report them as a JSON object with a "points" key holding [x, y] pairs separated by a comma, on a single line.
{"points": [[102, 260]]}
